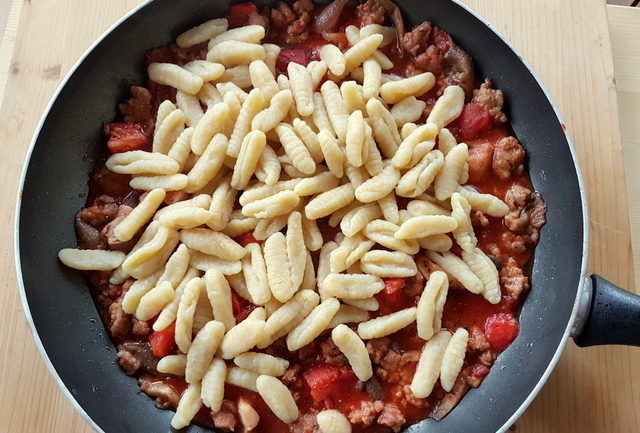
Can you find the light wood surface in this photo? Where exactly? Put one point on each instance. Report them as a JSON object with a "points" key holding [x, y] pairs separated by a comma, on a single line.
{"points": [[567, 42]]}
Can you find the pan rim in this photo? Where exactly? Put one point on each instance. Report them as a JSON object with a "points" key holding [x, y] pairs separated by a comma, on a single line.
{"points": [[583, 198]]}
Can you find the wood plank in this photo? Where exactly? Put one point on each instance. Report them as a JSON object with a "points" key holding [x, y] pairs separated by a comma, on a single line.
{"points": [[582, 394]]}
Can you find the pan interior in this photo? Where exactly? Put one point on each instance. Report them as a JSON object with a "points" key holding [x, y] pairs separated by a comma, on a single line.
{"points": [[66, 148]]}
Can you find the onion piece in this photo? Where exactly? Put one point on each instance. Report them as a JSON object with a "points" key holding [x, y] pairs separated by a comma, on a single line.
{"points": [[326, 20]]}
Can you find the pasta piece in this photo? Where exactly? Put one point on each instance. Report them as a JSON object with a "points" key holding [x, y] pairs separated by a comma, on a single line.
{"points": [[408, 110], [419, 178], [313, 325], [334, 58], [486, 271], [446, 182], [91, 260], [250, 151], [243, 378], [210, 242], [205, 262], [448, 107], [332, 152], [263, 79], [407, 128], [251, 34], [351, 250], [202, 33], [385, 325], [185, 218], [235, 53], [208, 165], [278, 397], [395, 91], [258, 314], [348, 314], [176, 266], [219, 294], [270, 117], [383, 232], [167, 132], [324, 266], [154, 301], [203, 313], [354, 349], [309, 138], [440, 243], [317, 184], [262, 363], [173, 75], [181, 149], [458, 269], [408, 148], [257, 192], [237, 282], [141, 162], [272, 52], [372, 79], [207, 70], [296, 249], [355, 150], [295, 148], [379, 186], [250, 107], [463, 233], [172, 364], [487, 203], [320, 115], [188, 406], [186, 311], [279, 267], [376, 109], [357, 219], [221, 206], [288, 316], [336, 109], [361, 51], [280, 203], [301, 87], [388, 33], [383, 136], [425, 225], [268, 168], [367, 304], [353, 96], [241, 338], [209, 95], [352, 286], [255, 274], [428, 368], [453, 358], [171, 182], [137, 291], [389, 207], [329, 201], [309, 275], [317, 71], [267, 227], [213, 384], [204, 346], [332, 421], [210, 124], [169, 313], [202, 201], [431, 305], [388, 264]]}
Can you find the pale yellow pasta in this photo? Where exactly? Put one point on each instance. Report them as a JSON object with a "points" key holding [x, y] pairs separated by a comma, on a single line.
{"points": [[388, 33], [367, 304], [336, 218], [419, 178], [320, 115], [295, 149], [154, 301], [164, 109], [317, 70], [377, 110], [91, 260], [383, 232], [448, 107], [361, 51], [352, 33], [309, 276], [238, 75], [309, 138], [272, 51], [458, 269], [332, 421], [205, 262], [357, 219], [317, 184], [354, 349], [446, 182], [175, 76], [453, 359], [355, 150], [358, 75], [280, 203], [201, 200], [329, 201], [486, 271], [408, 147], [385, 325], [185, 314], [188, 406], [176, 266], [168, 314], [211, 242], [239, 224], [428, 368], [222, 201], [185, 217], [235, 53], [268, 168], [267, 227], [395, 91], [203, 313], [252, 34], [258, 191], [262, 78], [333, 155], [213, 384], [388, 264], [389, 207], [425, 225], [278, 397], [172, 364], [219, 294], [181, 149], [279, 267], [324, 266], [209, 125], [302, 88], [336, 108], [440, 243], [141, 162], [379, 186], [408, 110], [289, 168], [169, 182], [137, 291], [145, 252], [288, 316], [487, 203], [382, 59], [348, 314], [372, 78], [204, 346], [383, 136], [167, 132], [208, 165], [250, 151], [231, 87], [431, 305], [236, 281], [407, 128], [463, 233], [241, 338], [350, 250], [270, 117], [313, 324], [296, 249], [242, 377], [202, 33], [352, 286], [353, 96], [209, 71], [250, 107], [255, 274], [262, 363], [425, 207], [209, 95]]}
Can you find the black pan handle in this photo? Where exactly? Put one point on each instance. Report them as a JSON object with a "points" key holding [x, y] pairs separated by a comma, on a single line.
{"points": [[613, 315]]}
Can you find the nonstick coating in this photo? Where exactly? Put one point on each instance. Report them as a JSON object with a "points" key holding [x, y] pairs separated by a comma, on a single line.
{"points": [[65, 150]]}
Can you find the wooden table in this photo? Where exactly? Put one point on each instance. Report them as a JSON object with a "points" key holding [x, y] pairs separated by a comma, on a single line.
{"points": [[567, 42]]}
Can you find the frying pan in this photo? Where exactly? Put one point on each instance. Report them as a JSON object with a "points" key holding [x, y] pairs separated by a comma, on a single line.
{"points": [[64, 320]]}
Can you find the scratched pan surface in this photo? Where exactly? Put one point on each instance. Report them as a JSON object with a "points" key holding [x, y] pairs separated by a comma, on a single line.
{"points": [[66, 325]]}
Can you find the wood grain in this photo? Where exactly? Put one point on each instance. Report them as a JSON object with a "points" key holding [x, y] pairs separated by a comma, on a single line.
{"points": [[567, 43]]}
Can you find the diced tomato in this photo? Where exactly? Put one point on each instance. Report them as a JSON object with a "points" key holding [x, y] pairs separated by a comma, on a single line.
{"points": [[246, 239], [442, 40], [472, 122], [393, 284], [328, 381], [163, 342], [500, 330], [287, 56], [241, 307], [238, 14], [124, 137]]}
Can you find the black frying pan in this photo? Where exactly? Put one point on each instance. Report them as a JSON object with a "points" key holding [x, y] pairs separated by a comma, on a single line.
{"points": [[65, 322]]}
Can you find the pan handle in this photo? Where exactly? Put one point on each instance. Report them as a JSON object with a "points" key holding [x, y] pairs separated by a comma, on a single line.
{"points": [[609, 315]]}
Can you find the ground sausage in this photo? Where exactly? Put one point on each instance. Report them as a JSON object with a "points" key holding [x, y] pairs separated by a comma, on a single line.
{"points": [[508, 157], [136, 355], [392, 417], [479, 160], [306, 423], [88, 236], [166, 397], [103, 210], [417, 40], [295, 20], [227, 417], [430, 60], [527, 213], [365, 413], [108, 231], [256, 19], [491, 99], [371, 12], [119, 322], [139, 109], [512, 279]]}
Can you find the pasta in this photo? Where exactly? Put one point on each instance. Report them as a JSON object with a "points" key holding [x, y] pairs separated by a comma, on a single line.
{"points": [[94, 260], [302, 88], [241, 338], [213, 384], [428, 368], [262, 363], [332, 421], [186, 310], [329, 201], [431, 305], [385, 325], [453, 358], [250, 152], [201, 352], [190, 403], [353, 348], [278, 397], [219, 294], [175, 76], [202, 33], [388, 264], [352, 286], [312, 325]]}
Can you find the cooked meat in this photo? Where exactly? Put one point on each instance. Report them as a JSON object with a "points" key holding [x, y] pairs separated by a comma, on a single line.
{"points": [[305, 423], [291, 374], [511, 243], [331, 354], [365, 413], [166, 397], [374, 389], [103, 210], [256, 19], [451, 399], [88, 236], [119, 322], [479, 160], [479, 219], [477, 340], [227, 417], [512, 279], [139, 109], [426, 266], [296, 20], [430, 60], [282, 15], [141, 327], [417, 40], [136, 355], [371, 12], [327, 19], [392, 417], [458, 70], [397, 367], [414, 285], [302, 6], [108, 231], [110, 183], [508, 157], [527, 213], [185, 55], [491, 99], [403, 396]]}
